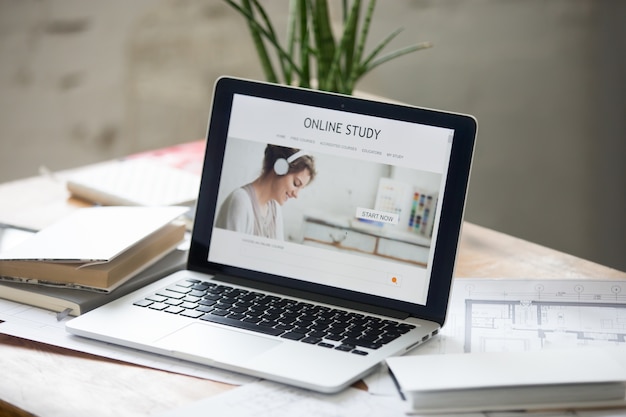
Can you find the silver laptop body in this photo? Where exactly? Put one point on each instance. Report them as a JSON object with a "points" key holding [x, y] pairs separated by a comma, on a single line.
{"points": [[355, 262]]}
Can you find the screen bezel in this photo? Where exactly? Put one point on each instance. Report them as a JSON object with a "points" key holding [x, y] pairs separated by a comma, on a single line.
{"points": [[446, 244]]}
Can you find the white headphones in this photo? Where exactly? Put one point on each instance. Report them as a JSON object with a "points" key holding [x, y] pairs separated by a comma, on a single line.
{"points": [[281, 166]]}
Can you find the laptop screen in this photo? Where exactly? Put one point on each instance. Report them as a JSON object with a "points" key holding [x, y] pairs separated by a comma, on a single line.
{"points": [[320, 191]]}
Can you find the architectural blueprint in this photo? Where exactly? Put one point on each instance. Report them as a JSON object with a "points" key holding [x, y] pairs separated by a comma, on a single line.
{"points": [[515, 315]]}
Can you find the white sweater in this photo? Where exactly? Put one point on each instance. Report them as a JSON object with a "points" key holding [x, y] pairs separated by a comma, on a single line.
{"points": [[240, 212]]}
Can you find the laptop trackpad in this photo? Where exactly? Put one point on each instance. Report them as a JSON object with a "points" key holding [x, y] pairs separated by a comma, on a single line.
{"points": [[220, 345]]}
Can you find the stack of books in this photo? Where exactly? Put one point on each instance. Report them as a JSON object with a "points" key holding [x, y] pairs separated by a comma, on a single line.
{"points": [[92, 257]]}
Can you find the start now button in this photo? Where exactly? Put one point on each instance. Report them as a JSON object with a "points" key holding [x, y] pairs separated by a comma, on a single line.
{"points": [[377, 216]]}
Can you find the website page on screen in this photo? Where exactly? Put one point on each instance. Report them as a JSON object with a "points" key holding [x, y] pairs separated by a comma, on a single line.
{"points": [[366, 221]]}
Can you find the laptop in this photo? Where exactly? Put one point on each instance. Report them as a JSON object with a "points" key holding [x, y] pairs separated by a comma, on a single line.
{"points": [[324, 241]]}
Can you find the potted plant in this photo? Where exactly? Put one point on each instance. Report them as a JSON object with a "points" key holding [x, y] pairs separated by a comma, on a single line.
{"points": [[312, 55]]}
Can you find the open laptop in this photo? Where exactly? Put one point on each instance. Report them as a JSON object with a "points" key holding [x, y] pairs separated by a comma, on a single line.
{"points": [[360, 264]]}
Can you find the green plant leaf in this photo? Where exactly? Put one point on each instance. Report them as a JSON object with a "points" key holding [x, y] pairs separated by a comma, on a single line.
{"points": [[349, 44], [324, 39], [364, 30], [380, 47], [335, 81], [254, 27], [355, 68], [291, 36], [395, 54], [259, 30], [285, 64], [305, 52]]}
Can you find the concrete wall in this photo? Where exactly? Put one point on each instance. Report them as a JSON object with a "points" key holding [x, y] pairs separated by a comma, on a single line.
{"points": [[82, 81]]}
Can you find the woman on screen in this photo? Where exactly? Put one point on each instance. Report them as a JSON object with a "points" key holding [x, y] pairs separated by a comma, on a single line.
{"points": [[255, 208]]}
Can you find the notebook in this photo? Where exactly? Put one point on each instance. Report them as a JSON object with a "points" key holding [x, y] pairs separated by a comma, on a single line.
{"points": [[324, 241]]}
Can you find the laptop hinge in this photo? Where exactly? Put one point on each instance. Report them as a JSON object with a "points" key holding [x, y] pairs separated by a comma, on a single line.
{"points": [[320, 298]]}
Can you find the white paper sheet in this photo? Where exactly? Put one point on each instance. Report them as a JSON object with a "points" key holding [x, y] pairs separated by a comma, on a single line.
{"points": [[93, 234], [42, 326], [268, 399]]}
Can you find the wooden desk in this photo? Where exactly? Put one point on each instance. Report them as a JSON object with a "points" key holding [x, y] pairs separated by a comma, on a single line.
{"points": [[50, 381]]}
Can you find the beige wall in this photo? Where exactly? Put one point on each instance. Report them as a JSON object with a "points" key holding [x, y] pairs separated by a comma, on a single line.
{"points": [[82, 81]]}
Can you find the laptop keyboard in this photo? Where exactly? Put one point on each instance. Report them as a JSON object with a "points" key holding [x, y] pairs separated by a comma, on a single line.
{"points": [[277, 316]]}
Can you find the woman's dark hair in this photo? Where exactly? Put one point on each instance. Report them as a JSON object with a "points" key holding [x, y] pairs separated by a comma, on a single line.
{"points": [[274, 152]]}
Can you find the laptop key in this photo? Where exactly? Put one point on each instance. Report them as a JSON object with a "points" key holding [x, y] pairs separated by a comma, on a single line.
{"points": [[236, 309], [219, 312], [344, 348], [200, 287], [252, 319], [143, 303], [294, 335], [213, 297], [192, 313], [404, 328], [363, 343], [388, 337], [312, 340], [178, 289], [156, 298], [174, 309], [170, 294], [242, 324], [205, 309]]}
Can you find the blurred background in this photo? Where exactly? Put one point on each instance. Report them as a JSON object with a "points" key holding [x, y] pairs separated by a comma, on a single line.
{"points": [[85, 81]]}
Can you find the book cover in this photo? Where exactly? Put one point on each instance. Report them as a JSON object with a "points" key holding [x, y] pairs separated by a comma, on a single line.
{"points": [[96, 276], [79, 301], [96, 248], [500, 381]]}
